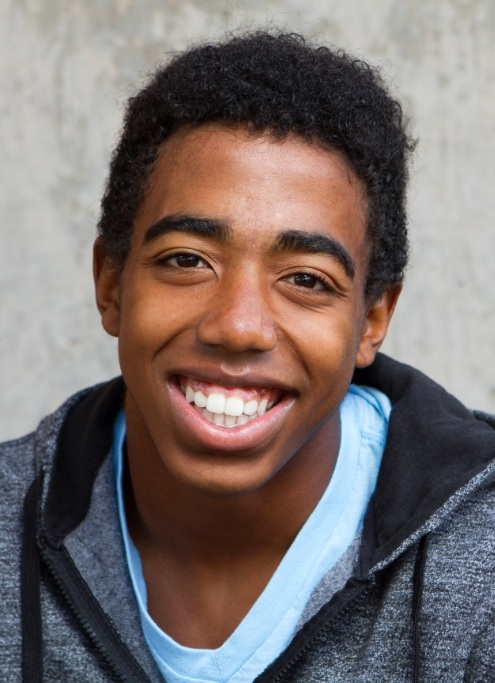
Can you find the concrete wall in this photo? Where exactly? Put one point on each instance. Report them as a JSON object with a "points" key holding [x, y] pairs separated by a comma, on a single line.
{"points": [[67, 67]]}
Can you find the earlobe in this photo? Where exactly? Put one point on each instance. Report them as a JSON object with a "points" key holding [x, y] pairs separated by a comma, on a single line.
{"points": [[376, 325], [107, 289]]}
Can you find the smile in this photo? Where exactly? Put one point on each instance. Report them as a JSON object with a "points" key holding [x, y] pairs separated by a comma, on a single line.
{"points": [[228, 406]]}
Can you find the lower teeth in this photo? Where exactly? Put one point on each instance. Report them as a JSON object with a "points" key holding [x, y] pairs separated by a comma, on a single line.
{"points": [[222, 420]]}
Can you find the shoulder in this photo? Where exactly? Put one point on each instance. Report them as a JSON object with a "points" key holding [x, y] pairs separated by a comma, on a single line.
{"points": [[21, 459], [468, 531], [17, 470]]}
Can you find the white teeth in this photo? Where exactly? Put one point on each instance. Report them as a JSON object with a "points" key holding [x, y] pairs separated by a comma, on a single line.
{"points": [[230, 421], [219, 419], [199, 399], [250, 407], [234, 406], [225, 420], [227, 411], [262, 406], [216, 403]]}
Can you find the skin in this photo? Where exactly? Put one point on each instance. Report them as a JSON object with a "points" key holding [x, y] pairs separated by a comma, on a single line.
{"points": [[208, 507]]}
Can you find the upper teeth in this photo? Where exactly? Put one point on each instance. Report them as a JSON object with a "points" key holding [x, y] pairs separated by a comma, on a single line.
{"points": [[219, 404]]}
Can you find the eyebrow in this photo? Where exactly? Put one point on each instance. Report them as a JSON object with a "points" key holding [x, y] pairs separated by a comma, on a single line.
{"points": [[202, 227], [297, 241]]}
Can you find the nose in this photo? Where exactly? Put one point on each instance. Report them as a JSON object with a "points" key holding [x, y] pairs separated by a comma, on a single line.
{"points": [[239, 318]]}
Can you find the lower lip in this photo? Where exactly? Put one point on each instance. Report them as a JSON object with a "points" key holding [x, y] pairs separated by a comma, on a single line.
{"points": [[250, 435]]}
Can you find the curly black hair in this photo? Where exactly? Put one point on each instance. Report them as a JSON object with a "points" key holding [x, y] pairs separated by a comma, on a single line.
{"points": [[281, 84]]}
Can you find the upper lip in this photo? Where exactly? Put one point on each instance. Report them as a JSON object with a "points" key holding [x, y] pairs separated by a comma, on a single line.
{"points": [[222, 378]]}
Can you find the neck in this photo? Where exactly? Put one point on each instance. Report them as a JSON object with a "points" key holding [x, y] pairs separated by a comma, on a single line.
{"points": [[197, 549], [172, 518]]}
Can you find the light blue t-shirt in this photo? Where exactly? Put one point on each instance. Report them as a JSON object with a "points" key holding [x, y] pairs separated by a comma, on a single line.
{"points": [[333, 525]]}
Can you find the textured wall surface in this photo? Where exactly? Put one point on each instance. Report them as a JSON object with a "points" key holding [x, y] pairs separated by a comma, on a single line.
{"points": [[66, 69]]}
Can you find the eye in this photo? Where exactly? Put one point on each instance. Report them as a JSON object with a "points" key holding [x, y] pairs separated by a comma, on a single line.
{"points": [[184, 260], [308, 281]]}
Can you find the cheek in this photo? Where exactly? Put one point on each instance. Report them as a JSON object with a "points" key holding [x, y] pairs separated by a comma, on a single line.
{"points": [[330, 339], [140, 335], [151, 316], [329, 349]]}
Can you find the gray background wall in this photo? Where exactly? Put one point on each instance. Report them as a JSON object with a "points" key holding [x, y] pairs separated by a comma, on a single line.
{"points": [[67, 67]]}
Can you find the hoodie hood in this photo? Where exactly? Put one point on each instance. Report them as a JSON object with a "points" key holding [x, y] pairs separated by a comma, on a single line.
{"points": [[435, 447]]}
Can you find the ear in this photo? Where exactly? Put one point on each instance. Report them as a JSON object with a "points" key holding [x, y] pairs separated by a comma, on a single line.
{"points": [[375, 325], [106, 275]]}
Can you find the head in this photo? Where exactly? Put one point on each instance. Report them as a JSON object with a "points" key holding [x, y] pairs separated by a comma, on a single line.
{"points": [[283, 86], [252, 247]]}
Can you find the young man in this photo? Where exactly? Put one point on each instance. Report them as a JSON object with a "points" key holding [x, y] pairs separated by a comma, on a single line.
{"points": [[260, 497]]}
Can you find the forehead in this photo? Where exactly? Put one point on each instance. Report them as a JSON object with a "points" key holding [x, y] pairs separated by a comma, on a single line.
{"points": [[256, 183]]}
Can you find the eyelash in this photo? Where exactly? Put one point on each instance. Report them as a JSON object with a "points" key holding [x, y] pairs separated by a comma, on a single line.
{"points": [[320, 279], [325, 286], [165, 260]]}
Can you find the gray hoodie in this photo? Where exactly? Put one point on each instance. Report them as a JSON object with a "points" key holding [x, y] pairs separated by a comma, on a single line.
{"points": [[419, 605]]}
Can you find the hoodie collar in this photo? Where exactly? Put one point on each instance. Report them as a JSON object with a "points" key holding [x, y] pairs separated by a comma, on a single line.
{"points": [[435, 447]]}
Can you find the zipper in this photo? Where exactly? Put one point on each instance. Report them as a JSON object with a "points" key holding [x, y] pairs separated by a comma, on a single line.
{"points": [[303, 641], [90, 615]]}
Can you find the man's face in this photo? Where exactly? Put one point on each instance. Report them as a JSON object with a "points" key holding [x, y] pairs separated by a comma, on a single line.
{"points": [[240, 311]]}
